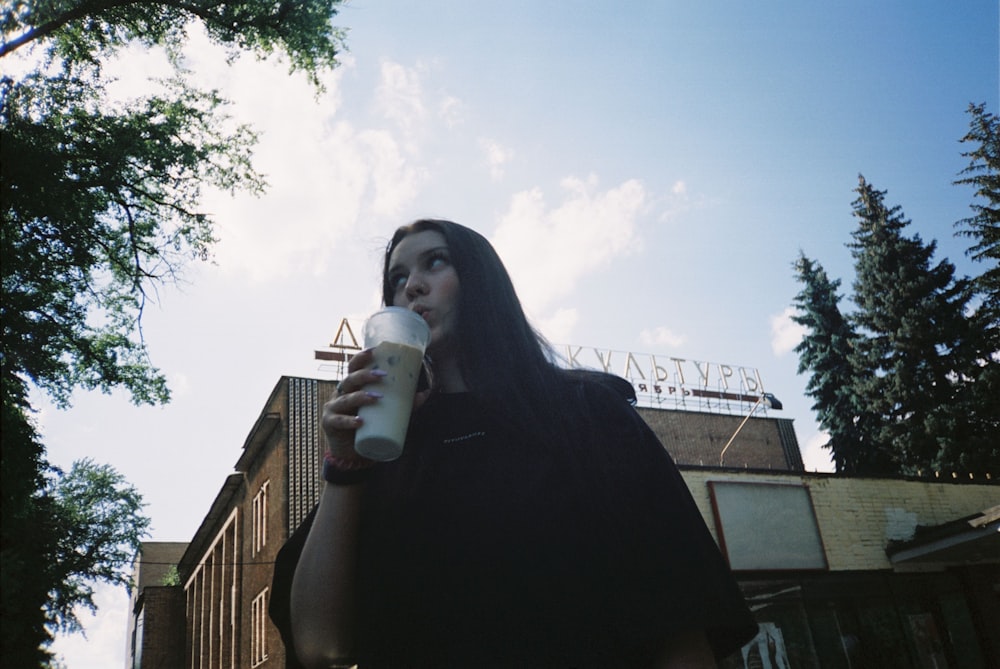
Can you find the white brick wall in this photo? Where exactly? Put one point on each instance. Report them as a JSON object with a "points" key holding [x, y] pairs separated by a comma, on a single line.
{"points": [[857, 517]]}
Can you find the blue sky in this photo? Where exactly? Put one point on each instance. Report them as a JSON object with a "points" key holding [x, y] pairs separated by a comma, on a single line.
{"points": [[648, 172]]}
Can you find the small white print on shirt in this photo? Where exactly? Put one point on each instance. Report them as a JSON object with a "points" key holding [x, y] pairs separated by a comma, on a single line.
{"points": [[464, 437]]}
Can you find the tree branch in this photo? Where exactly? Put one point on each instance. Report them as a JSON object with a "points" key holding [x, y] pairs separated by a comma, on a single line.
{"points": [[58, 22], [86, 9]]}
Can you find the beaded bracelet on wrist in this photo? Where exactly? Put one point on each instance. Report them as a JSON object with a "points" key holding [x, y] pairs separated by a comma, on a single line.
{"points": [[346, 471]]}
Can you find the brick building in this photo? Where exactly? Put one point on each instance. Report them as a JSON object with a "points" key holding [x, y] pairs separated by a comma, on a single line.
{"points": [[156, 603], [842, 572], [226, 569], [859, 572]]}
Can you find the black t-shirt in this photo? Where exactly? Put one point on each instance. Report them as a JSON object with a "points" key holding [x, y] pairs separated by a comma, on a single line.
{"points": [[479, 549]]}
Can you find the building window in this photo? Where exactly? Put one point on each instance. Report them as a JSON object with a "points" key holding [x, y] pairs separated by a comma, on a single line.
{"points": [[258, 629], [260, 519], [212, 621], [767, 526]]}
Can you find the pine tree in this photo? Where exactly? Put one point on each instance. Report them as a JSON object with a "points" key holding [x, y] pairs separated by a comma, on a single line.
{"points": [[826, 352], [983, 381], [983, 227], [914, 345]]}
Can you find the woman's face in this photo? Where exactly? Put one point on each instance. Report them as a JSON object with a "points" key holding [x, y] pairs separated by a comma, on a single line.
{"points": [[421, 278]]}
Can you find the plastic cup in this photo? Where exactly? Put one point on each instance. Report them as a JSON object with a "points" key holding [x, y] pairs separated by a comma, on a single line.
{"points": [[399, 338]]}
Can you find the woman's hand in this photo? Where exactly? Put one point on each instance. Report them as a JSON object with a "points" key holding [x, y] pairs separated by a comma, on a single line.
{"points": [[340, 413], [357, 389]]}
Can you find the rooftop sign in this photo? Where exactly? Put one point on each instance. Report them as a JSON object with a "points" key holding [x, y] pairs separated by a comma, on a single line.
{"points": [[683, 383], [660, 381]]}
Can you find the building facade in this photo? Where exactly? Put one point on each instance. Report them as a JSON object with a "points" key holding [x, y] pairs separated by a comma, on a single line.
{"points": [[156, 603], [845, 572], [226, 570], [841, 572]]}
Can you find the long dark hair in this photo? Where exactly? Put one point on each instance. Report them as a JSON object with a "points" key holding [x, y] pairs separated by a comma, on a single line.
{"points": [[504, 361]]}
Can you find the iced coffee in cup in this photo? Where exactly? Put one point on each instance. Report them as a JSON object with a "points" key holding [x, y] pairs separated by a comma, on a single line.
{"points": [[398, 338]]}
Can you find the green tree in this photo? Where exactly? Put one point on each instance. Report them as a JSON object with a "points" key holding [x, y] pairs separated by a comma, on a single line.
{"points": [[79, 33], [172, 577], [100, 206], [916, 340], [101, 525], [983, 227], [909, 380], [26, 537], [62, 533], [827, 352]]}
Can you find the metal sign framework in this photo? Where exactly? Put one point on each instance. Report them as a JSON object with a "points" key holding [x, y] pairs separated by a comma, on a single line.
{"points": [[662, 382]]}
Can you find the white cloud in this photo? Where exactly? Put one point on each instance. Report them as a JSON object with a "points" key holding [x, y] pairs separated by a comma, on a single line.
{"points": [[661, 336], [452, 111], [395, 180], [322, 173], [133, 69], [497, 156], [400, 96], [785, 333], [103, 644], [179, 383], [327, 178], [815, 458], [316, 194], [548, 249], [21, 61], [308, 159], [679, 200], [558, 326]]}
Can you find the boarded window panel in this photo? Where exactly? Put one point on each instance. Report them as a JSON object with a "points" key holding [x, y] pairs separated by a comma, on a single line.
{"points": [[767, 526]]}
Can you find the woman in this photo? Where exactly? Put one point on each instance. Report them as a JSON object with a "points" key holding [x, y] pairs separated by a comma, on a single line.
{"points": [[533, 520]]}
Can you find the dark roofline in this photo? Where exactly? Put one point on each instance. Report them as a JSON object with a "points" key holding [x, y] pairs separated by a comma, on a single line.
{"points": [[222, 506], [955, 480], [208, 529], [261, 431], [263, 427], [974, 534]]}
